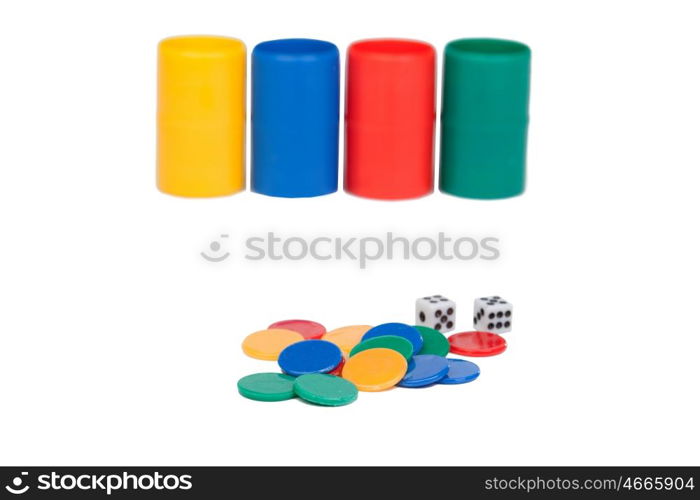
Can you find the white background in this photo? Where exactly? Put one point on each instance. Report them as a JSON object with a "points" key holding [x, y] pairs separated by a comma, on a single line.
{"points": [[120, 345]]}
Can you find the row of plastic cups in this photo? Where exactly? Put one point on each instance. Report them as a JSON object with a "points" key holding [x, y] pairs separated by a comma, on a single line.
{"points": [[389, 119]]}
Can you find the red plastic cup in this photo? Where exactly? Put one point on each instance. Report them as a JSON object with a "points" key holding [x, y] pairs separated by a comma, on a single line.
{"points": [[390, 119]]}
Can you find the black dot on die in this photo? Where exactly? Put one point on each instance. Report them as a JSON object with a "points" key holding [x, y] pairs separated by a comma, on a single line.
{"points": [[481, 312], [437, 296], [508, 313], [507, 324], [495, 297], [492, 315], [499, 325], [443, 300], [450, 324], [474, 320], [433, 301], [438, 326], [450, 311], [490, 326], [443, 319], [500, 314], [426, 298], [422, 316], [438, 313], [502, 302]]}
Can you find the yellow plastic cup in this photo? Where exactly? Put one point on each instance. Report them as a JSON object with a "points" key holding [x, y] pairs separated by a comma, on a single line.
{"points": [[201, 116]]}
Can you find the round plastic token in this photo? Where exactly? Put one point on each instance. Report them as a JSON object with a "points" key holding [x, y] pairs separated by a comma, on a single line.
{"points": [[338, 369], [308, 329], [398, 329], [310, 356], [425, 369], [434, 342], [399, 344], [375, 369], [267, 387], [346, 337], [268, 344], [326, 390], [460, 371], [477, 344]]}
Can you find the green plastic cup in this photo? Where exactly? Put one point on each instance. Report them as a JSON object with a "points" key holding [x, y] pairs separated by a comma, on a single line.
{"points": [[483, 144]]}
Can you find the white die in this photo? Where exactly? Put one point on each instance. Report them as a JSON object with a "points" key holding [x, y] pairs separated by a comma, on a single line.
{"points": [[436, 312], [493, 314]]}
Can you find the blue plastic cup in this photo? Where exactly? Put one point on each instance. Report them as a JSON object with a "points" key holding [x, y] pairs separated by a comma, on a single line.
{"points": [[295, 113]]}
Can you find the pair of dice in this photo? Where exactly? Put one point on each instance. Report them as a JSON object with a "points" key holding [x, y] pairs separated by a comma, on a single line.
{"points": [[491, 314]]}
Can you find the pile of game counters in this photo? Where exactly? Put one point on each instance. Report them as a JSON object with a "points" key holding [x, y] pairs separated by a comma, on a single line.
{"points": [[329, 368]]}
